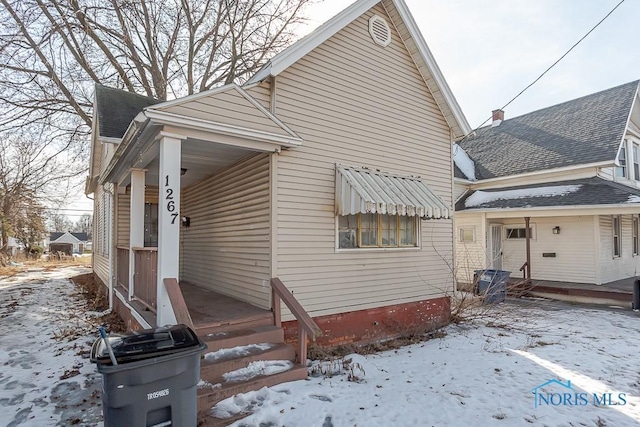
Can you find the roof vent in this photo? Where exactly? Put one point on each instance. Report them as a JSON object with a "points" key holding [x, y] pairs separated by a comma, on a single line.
{"points": [[379, 30]]}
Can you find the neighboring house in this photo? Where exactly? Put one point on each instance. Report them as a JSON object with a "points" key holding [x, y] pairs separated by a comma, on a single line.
{"points": [[79, 240], [330, 169], [13, 246], [571, 170]]}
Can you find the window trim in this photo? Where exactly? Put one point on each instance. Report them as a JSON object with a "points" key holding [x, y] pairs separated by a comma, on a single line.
{"points": [[622, 171], [635, 235], [635, 164], [616, 235], [471, 228], [397, 247], [507, 227]]}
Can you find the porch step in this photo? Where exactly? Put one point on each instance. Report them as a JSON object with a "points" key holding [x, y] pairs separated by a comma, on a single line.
{"points": [[212, 370], [208, 397], [263, 319], [230, 339]]}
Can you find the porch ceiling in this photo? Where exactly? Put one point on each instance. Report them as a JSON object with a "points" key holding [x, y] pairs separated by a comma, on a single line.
{"points": [[200, 159]]}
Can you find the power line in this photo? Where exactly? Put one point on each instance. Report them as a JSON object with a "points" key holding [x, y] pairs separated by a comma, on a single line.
{"points": [[551, 66]]}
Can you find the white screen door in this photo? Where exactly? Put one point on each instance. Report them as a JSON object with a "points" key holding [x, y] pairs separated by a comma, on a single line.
{"points": [[495, 246]]}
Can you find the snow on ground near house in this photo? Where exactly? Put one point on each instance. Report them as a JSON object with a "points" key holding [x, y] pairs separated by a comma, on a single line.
{"points": [[479, 374], [46, 378], [243, 350], [481, 197]]}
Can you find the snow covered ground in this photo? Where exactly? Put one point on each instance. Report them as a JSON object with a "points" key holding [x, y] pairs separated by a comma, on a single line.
{"points": [[478, 374], [46, 378]]}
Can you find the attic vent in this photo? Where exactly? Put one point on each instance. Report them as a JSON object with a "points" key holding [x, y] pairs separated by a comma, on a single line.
{"points": [[379, 30]]}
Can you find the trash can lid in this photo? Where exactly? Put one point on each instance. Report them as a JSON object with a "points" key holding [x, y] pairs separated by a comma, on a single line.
{"points": [[145, 344]]}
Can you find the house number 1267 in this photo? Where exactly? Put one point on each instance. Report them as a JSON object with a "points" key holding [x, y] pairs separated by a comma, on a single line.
{"points": [[171, 203]]}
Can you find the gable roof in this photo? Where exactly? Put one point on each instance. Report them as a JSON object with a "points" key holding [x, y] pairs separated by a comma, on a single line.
{"points": [[53, 236], [116, 109], [214, 106], [582, 131], [414, 42], [585, 192]]}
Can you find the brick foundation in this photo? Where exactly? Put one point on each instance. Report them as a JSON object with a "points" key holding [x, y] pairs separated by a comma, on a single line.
{"points": [[374, 324]]}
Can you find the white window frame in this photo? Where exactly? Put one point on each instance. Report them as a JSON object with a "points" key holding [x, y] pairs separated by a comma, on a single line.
{"points": [[635, 161], [616, 240], [621, 171], [519, 227], [466, 228], [635, 231], [398, 247]]}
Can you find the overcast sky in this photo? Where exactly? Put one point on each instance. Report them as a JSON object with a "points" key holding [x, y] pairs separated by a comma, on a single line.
{"points": [[489, 51]]}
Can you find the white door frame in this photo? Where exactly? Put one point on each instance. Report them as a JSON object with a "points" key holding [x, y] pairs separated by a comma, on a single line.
{"points": [[495, 246]]}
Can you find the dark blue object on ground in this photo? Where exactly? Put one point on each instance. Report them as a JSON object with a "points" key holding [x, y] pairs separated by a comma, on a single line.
{"points": [[492, 284]]}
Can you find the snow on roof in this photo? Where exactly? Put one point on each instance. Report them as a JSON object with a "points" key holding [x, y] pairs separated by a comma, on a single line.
{"points": [[633, 199], [481, 197], [464, 162]]}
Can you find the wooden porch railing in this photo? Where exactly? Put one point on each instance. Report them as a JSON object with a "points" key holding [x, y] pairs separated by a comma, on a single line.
{"points": [[306, 325], [122, 267], [145, 278], [524, 271], [178, 303]]}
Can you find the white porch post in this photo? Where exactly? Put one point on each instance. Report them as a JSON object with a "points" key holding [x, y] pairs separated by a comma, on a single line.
{"points": [[136, 221], [168, 222]]}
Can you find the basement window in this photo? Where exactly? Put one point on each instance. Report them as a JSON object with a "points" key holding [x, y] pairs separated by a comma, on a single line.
{"points": [[377, 231]]}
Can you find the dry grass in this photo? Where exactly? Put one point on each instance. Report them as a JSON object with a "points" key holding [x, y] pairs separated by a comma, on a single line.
{"points": [[52, 264], [95, 295]]}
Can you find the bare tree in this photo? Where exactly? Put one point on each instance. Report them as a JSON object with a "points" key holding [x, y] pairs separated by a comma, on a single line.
{"points": [[59, 222], [84, 224], [52, 52], [31, 168]]}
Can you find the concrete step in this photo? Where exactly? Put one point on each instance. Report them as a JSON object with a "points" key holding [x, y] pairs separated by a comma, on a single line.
{"points": [[212, 370], [208, 397], [265, 319], [229, 339]]}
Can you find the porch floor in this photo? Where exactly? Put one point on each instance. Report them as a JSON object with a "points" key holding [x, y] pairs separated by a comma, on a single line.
{"points": [[210, 309], [618, 290]]}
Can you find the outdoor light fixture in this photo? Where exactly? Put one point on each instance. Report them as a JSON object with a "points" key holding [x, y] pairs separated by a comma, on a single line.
{"points": [[556, 230], [186, 221], [183, 171]]}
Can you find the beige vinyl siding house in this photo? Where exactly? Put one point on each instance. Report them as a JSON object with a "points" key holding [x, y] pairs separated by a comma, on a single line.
{"points": [[336, 84], [257, 168]]}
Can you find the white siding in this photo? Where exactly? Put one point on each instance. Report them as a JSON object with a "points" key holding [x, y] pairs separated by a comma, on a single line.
{"points": [[227, 246], [574, 249], [627, 265], [458, 190], [470, 256], [359, 104]]}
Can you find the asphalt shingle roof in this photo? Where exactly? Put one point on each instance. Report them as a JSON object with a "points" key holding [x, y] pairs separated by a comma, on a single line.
{"points": [[591, 191], [581, 131], [117, 108], [55, 235]]}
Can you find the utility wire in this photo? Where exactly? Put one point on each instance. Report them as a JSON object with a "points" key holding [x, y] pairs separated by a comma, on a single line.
{"points": [[549, 69]]}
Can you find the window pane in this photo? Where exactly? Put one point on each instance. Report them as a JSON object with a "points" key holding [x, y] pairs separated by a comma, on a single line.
{"points": [[466, 234], [347, 231], [408, 235], [150, 224], [389, 230], [369, 230]]}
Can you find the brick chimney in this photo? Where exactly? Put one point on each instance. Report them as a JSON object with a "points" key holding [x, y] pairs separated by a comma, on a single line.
{"points": [[497, 117]]}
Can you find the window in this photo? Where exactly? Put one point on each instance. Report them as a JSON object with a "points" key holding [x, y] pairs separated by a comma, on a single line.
{"points": [[467, 234], [518, 232], [150, 225], [636, 165], [377, 231], [621, 171], [636, 221], [616, 236]]}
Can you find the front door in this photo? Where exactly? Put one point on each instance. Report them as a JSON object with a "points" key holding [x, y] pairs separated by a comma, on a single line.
{"points": [[495, 246]]}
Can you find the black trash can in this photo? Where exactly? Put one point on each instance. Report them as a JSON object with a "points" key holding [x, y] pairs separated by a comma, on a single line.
{"points": [[492, 284], [155, 380]]}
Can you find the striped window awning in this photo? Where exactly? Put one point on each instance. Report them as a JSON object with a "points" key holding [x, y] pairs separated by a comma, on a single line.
{"points": [[367, 191]]}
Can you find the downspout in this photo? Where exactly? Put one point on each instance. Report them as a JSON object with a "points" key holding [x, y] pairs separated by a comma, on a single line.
{"points": [[111, 248]]}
